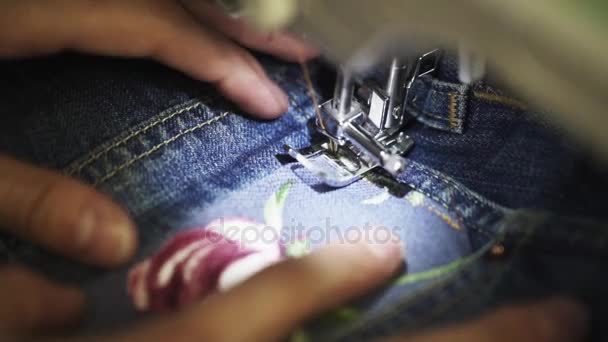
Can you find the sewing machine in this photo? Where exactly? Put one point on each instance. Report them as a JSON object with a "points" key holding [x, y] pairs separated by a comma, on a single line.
{"points": [[546, 50]]}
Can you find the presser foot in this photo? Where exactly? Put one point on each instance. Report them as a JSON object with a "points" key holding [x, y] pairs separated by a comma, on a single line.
{"points": [[338, 166], [365, 125]]}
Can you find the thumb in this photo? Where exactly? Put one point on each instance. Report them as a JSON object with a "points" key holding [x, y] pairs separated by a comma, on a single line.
{"points": [[32, 304], [272, 303]]}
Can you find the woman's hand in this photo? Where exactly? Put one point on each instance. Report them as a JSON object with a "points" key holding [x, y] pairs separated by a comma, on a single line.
{"points": [[276, 301], [192, 36], [67, 218]]}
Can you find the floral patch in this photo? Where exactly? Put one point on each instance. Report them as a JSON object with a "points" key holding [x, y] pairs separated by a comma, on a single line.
{"points": [[199, 262]]}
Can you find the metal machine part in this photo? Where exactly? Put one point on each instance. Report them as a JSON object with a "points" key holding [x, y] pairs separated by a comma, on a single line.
{"points": [[365, 124], [551, 52]]}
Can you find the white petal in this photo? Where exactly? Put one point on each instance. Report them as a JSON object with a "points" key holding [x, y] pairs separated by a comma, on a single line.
{"points": [[168, 268], [139, 292], [194, 260], [244, 268]]}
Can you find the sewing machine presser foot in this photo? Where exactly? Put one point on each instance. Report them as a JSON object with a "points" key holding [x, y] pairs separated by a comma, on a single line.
{"points": [[364, 124]]}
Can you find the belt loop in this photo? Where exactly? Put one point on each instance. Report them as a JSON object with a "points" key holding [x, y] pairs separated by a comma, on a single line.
{"points": [[438, 104]]}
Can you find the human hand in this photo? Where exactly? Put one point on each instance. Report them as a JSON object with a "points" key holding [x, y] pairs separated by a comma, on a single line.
{"points": [[274, 302], [192, 36], [67, 218], [270, 305]]}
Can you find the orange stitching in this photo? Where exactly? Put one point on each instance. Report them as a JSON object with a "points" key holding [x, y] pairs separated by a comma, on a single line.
{"points": [[507, 101], [444, 217], [454, 122], [418, 199]]}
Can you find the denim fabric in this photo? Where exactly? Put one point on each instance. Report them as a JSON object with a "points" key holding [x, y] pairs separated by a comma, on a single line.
{"points": [[486, 171]]}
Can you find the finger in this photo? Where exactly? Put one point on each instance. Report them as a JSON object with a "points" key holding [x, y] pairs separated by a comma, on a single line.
{"points": [[556, 320], [173, 37], [63, 215], [271, 304], [32, 304], [234, 71], [280, 44], [162, 30]]}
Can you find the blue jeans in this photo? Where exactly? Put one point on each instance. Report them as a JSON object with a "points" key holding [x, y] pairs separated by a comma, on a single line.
{"points": [[495, 205]]}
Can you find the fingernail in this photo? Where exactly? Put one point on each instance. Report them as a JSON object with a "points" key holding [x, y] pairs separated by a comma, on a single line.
{"points": [[281, 103], [388, 248], [122, 233], [256, 93], [86, 229], [562, 320], [108, 239]]}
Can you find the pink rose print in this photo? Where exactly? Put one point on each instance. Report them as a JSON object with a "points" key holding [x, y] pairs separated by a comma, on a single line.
{"points": [[197, 263]]}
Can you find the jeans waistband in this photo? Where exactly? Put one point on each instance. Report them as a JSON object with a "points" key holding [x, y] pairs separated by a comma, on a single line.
{"points": [[442, 102]]}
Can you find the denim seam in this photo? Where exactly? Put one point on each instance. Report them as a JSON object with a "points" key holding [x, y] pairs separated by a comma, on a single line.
{"points": [[410, 300], [133, 135], [454, 122], [162, 118], [159, 146], [77, 167], [458, 216], [503, 100], [445, 283], [451, 183], [455, 109], [454, 224], [423, 115], [448, 281], [434, 121], [296, 112], [438, 310]]}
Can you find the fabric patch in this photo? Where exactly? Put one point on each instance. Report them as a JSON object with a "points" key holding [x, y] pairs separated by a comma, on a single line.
{"points": [[196, 263]]}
